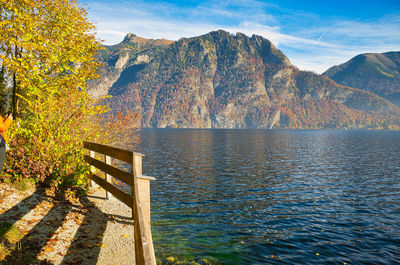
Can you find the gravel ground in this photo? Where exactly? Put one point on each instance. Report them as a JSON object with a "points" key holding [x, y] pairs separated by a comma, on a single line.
{"points": [[118, 237], [91, 231]]}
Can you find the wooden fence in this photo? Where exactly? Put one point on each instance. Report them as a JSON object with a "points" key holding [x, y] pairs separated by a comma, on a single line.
{"points": [[138, 201]]}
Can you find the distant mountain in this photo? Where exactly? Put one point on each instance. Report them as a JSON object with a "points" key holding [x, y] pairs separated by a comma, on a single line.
{"points": [[375, 72], [221, 80]]}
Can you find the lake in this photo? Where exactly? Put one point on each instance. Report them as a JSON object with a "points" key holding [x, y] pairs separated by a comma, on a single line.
{"points": [[275, 196]]}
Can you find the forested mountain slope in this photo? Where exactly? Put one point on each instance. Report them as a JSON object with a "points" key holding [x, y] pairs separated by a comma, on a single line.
{"points": [[375, 72], [222, 80]]}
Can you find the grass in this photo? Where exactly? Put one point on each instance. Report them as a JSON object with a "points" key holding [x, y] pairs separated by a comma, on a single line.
{"points": [[24, 184], [11, 251], [10, 238], [10, 232], [4, 251], [20, 184]]}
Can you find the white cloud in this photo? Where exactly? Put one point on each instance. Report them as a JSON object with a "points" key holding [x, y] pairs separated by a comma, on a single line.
{"points": [[314, 48], [384, 28], [275, 36]]}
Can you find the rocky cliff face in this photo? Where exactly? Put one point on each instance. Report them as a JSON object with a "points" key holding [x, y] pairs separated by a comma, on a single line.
{"points": [[375, 72], [220, 80], [115, 59]]}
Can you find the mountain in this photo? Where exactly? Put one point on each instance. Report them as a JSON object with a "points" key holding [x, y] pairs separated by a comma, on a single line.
{"points": [[221, 80], [115, 59], [375, 72]]}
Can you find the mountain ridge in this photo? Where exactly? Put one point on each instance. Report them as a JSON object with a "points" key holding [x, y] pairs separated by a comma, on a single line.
{"points": [[224, 80], [375, 72]]}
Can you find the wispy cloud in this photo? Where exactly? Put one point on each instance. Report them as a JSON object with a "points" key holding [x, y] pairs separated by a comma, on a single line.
{"points": [[347, 39], [314, 44], [112, 22]]}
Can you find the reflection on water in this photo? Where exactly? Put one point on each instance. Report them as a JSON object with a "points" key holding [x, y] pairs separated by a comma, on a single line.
{"points": [[275, 196]]}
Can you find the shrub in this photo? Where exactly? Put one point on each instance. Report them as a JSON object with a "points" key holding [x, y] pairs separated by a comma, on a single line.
{"points": [[48, 51]]}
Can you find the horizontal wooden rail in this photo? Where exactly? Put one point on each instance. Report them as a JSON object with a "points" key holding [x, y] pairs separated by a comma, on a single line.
{"points": [[139, 200], [122, 196], [120, 154], [115, 172]]}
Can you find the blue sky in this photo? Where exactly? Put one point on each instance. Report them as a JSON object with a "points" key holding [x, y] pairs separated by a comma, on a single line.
{"points": [[313, 34]]}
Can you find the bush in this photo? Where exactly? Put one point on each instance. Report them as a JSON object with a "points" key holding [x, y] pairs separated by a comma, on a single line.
{"points": [[46, 78], [24, 162]]}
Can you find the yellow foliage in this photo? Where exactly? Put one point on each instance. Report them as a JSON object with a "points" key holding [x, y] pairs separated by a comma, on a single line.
{"points": [[49, 46]]}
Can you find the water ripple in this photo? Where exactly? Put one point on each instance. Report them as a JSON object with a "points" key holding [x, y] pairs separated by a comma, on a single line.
{"points": [[276, 197]]}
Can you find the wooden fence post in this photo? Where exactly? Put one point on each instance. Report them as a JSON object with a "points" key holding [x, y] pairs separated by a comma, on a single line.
{"points": [[144, 253], [92, 169], [107, 177], [139, 201]]}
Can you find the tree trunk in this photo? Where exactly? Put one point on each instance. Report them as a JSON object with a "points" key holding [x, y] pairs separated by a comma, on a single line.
{"points": [[15, 88], [14, 97]]}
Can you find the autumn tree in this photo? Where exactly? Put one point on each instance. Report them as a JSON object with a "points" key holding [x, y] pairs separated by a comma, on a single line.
{"points": [[46, 45], [47, 51], [4, 95]]}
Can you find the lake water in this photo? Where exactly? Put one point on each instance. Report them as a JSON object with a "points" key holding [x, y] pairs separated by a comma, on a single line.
{"points": [[275, 196]]}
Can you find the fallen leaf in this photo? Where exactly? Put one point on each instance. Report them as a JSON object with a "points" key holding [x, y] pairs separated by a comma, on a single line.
{"points": [[49, 249]]}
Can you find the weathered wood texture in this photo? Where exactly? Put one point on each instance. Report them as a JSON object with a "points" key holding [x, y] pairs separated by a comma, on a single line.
{"points": [[139, 201], [107, 177], [115, 172], [92, 168], [117, 153], [141, 194], [120, 195]]}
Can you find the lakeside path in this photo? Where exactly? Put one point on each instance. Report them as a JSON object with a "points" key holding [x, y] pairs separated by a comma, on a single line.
{"points": [[92, 230]]}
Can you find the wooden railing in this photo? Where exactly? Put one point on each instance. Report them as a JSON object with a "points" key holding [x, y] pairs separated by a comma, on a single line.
{"points": [[138, 201]]}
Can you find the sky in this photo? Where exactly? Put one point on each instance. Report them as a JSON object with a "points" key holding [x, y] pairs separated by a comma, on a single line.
{"points": [[314, 35]]}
